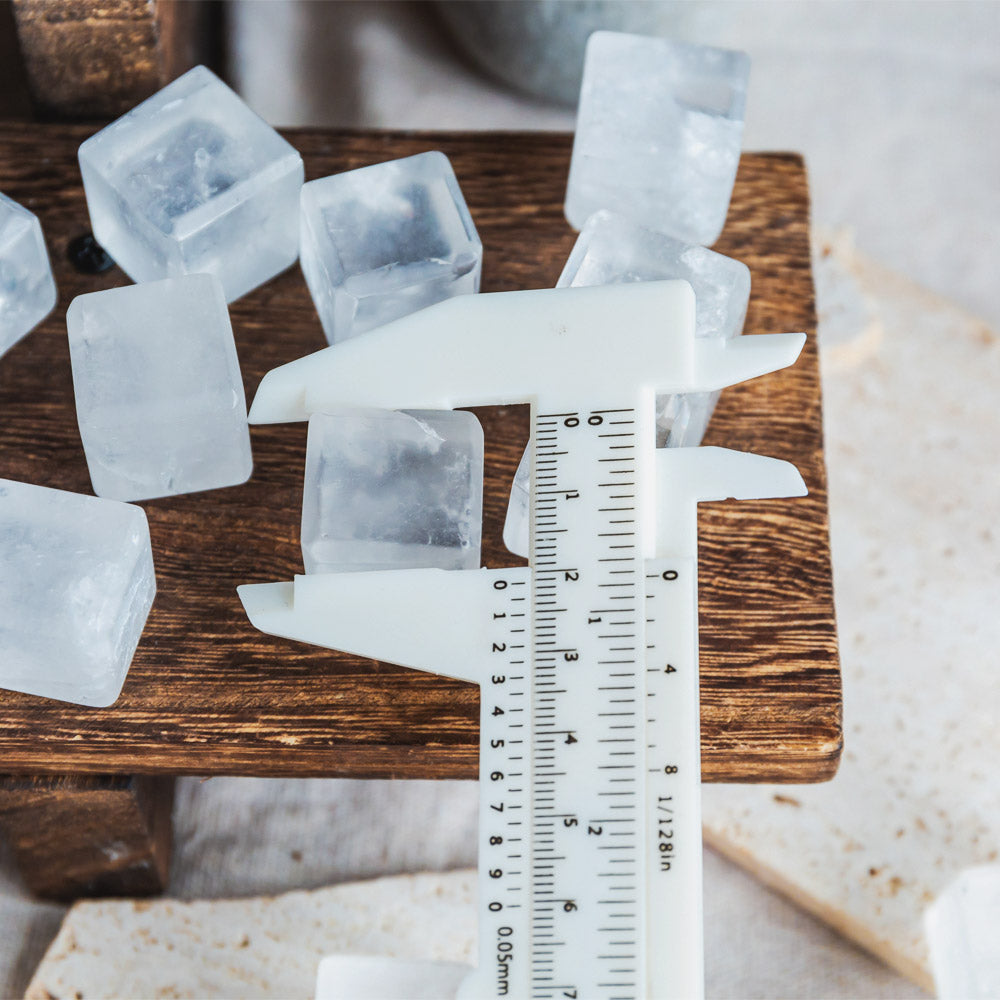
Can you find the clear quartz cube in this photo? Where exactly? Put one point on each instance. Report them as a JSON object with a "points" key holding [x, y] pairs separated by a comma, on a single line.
{"points": [[963, 934], [386, 240], [76, 587], [27, 288], [392, 489], [159, 395], [191, 181], [613, 250], [658, 134]]}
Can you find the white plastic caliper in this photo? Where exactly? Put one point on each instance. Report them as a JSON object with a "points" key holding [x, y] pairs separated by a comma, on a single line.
{"points": [[590, 830]]}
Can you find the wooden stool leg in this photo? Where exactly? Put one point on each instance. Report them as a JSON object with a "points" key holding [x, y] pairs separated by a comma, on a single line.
{"points": [[89, 835], [101, 57]]}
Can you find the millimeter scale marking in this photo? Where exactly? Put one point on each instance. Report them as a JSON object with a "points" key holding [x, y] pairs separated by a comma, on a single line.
{"points": [[590, 851]]}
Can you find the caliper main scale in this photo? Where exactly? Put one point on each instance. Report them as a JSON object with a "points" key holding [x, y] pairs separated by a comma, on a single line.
{"points": [[590, 849]]}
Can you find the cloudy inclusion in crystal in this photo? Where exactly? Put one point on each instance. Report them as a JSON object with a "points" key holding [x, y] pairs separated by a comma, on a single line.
{"points": [[194, 162], [76, 586], [388, 489], [383, 241]]}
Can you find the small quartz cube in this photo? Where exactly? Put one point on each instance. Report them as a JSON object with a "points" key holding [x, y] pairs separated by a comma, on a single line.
{"points": [[191, 181], [27, 289], [392, 489], [963, 934], [76, 586], [658, 134], [613, 250], [159, 396], [383, 241]]}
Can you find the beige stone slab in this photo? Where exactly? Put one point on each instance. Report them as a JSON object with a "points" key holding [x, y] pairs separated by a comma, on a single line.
{"points": [[260, 947], [912, 417], [757, 945]]}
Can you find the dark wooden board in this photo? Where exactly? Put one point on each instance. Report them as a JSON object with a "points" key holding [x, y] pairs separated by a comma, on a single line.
{"points": [[207, 694], [15, 101]]}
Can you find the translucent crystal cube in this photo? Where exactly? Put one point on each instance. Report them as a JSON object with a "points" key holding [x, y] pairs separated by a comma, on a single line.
{"points": [[391, 489], [658, 134], [613, 250], [386, 240], [27, 289], [516, 528], [76, 586], [963, 933], [191, 181], [159, 396]]}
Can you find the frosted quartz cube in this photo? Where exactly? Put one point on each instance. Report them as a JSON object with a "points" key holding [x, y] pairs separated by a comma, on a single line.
{"points": [[76, 586], [614, 250], [383, 241], [392, 489], [658, 134], [27, 288], [963, 934], [191, 181], [159, 396]]}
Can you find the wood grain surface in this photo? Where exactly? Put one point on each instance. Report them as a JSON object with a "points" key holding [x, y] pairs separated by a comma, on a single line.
{"points": [[207, 694], [90, 59], [89, 835]]}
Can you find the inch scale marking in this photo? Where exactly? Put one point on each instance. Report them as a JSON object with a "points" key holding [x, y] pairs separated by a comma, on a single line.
{"points": [[587, 573], [590, 852], [673, 775]]}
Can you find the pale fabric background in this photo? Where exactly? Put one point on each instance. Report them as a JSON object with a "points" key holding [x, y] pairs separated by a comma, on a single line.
{"points": [[897, 108]]}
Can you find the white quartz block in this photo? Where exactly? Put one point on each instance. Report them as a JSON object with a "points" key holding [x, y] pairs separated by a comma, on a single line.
{"points": [[386, 240], [614, 250], [76, 586], [658, 133], [392, 489], [191, 181], [159, 395], [963, 933], [27, 288]]}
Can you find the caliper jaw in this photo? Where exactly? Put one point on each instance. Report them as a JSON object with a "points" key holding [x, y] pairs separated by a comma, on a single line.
{"points": [[686, 477], [508, 347], [427, 619]]}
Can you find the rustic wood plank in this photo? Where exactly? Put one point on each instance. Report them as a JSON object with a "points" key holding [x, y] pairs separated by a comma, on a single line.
{"points": [[207, 694], [98, 58], [89, 836], [15, 101]]}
